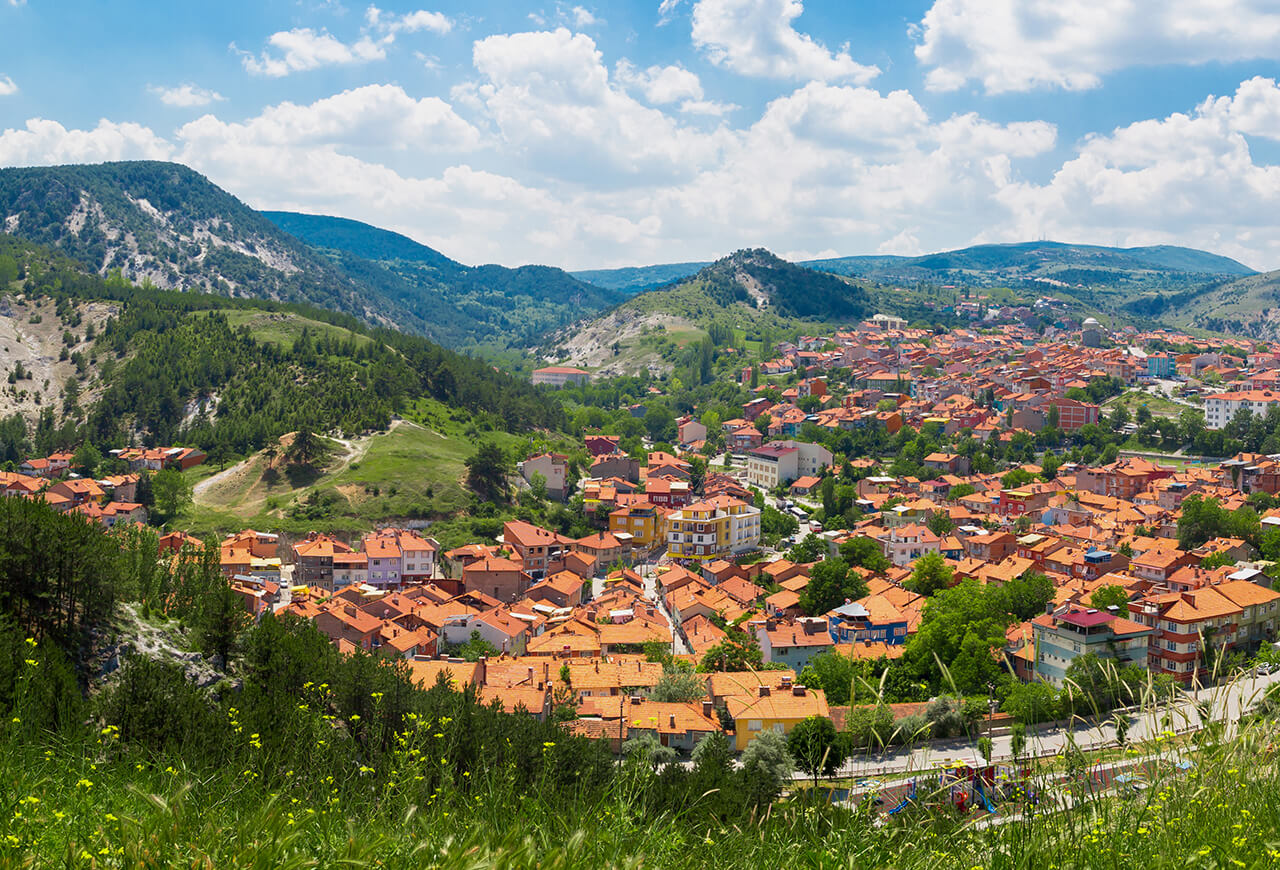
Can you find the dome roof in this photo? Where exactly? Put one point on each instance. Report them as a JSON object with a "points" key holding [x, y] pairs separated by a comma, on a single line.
{"points": [[1089, 321]]}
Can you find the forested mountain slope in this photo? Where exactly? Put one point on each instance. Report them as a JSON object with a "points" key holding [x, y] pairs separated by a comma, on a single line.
{"points": [[183, 367], [746, 291], [1047, 263], [485, 306]]}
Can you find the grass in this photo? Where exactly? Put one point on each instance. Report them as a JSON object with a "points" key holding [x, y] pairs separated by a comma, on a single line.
{"points": [[1159, 406], [98, 805], [415, 470], [283, 329]]}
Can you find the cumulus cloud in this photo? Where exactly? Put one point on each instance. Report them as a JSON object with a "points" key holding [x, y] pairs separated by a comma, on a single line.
{"points": [[412, 22], [756, 38], [303, 49], [707, 107], [1188, 178], [7, 86], [44, 143], [1018, 45], [660, 84], [186, 96], [553, 102]]}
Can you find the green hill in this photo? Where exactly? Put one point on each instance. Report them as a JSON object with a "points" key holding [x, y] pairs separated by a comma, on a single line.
{"points": [[637, 279], [1038, 264], [487, 306], [747, 294], [1243, 306], [232, 375]]}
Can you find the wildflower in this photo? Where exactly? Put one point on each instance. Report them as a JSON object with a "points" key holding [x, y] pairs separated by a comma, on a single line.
{"points": [[31, 663], [110, 817], [355, 717], [11, 839], [84, 783], [548, 744], [377, 696], [31, 641], [59, 815]]}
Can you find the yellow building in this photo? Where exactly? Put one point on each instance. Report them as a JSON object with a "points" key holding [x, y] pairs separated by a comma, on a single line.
{"points": [[713, 529], [773, 709], [646, 524]]}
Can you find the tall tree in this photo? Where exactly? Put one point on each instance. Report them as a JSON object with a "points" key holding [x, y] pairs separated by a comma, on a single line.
{"points": [[487, 472]]}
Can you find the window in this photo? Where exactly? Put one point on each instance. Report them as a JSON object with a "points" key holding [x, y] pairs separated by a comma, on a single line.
{"points": [[754, 725]]}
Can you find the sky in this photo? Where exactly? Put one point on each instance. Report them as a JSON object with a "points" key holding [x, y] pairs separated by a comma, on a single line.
{"points": [[652, 131]]}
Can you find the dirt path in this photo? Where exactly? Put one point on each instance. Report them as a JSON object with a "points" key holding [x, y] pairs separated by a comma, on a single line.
{"points": [[354, 450]]}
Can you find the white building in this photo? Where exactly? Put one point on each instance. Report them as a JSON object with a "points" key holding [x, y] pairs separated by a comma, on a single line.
{"points": [[778, 463], [1219, 408]]}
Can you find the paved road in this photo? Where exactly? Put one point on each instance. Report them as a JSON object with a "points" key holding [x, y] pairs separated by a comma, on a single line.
{"points": [[1222, 703]]}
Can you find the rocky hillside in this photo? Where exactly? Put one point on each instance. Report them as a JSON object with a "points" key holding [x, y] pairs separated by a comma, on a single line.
{"points": [[168, 225], [747, 291]]}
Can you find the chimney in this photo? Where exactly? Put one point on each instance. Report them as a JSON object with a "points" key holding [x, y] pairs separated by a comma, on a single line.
{"points": [[707, 709], [764, 691]]}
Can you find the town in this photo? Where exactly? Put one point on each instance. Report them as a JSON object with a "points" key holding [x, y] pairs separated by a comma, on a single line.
{"points": [[776, 561]]}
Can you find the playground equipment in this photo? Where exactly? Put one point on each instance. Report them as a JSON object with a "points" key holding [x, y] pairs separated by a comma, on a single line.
{"points": [[911, 796]]}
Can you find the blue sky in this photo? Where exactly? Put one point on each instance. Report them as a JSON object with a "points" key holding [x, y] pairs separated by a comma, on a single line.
{"points": [[590, 134]]}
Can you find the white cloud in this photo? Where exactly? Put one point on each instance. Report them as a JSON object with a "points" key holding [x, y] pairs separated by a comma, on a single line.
{"points": [[1017, 45], [412, 22], [1189, 178], [583, 17], [554, 105], [373, 116], [44, 143], [707, 107], [303, 49], [186, 96], [756, 38], [666, 10], [660, 84], [7, 86]]}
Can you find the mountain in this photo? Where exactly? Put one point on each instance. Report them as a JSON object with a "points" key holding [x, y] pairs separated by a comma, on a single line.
{"points": [[750, 292], [637, 279], [1046, 262], [229, 375], [166, 224], [1241, 306], [1040, 262], [482, 305]]}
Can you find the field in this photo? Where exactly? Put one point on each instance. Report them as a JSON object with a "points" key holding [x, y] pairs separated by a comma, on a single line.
{"points": [[283, 329], [1159, 406], [415, 470]]}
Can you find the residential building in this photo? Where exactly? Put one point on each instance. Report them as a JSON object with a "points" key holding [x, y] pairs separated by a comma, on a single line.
{"points": [[1060, 638], [778, 463], [777, 709], [1183, 623], [793, 644], [313, 560], [712, 529], [1219, 408], [554, 469], [559, 376]]}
